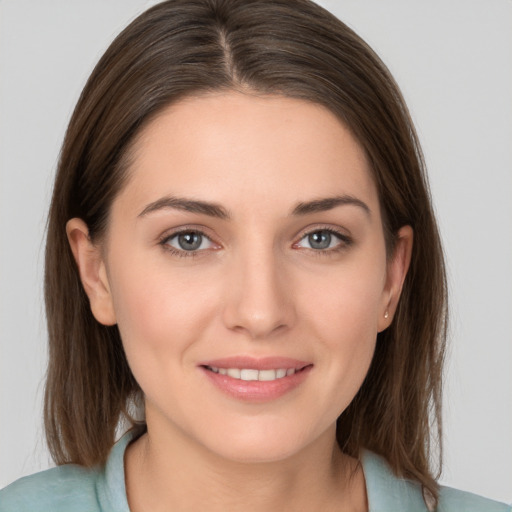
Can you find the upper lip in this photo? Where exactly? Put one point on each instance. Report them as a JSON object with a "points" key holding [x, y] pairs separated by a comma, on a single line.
{"points": [[256, 363]]}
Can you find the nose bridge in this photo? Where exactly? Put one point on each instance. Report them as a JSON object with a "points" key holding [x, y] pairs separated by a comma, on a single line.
{"points": [[258, 299]]}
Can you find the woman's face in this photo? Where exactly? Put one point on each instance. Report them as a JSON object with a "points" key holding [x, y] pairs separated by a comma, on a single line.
{"points": [[247, 244]]}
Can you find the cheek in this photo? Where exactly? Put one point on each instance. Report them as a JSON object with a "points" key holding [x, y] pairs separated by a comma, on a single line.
{"points": [[344, 314], [160, 310], [347, 300]]}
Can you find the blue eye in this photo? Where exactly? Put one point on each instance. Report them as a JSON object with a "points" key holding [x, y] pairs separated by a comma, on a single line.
{"points": [[189, 241], [322, 239]]}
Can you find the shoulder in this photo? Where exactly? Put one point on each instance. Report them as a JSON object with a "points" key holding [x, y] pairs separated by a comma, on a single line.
{"points": [[72, 488], [388, 493], [455, 500], [69, 488]]}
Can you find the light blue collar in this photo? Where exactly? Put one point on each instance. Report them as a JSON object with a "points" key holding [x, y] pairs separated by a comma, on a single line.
{"points": [[386, 492]]}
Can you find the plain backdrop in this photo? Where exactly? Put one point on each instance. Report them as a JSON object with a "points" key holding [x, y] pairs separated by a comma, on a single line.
{"points": [[453, 61]]}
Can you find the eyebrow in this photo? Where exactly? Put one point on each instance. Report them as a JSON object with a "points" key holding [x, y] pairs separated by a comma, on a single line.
{"points": [[216, 210], [328, 203], [188, 205]]}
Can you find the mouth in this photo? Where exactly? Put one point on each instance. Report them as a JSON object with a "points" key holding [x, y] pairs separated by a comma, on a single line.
{"points": [[252, 374], [256, 379]]}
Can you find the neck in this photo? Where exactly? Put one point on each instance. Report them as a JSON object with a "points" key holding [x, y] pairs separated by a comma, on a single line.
{"points": [[169, 471]]}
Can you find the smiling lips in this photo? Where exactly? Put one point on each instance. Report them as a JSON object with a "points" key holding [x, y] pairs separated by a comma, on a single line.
{"points": [[256, 380], [252, 374]]}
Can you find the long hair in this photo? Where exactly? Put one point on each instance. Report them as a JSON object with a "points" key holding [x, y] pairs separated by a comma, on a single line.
{"points": [[292, 48]]}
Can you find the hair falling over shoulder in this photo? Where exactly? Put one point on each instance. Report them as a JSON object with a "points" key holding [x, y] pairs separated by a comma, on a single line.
{"points": [[286, 47]]}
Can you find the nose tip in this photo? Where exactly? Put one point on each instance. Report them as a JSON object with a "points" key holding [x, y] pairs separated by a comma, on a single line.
{"points": [[259, 301], [258, 323]]}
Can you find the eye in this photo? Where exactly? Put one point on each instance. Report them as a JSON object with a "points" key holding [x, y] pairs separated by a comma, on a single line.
{"points": [[188, 241], [323, 239]]}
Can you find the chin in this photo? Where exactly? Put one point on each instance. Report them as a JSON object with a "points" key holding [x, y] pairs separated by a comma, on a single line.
{"points": [[261, 446], [256, 453]]}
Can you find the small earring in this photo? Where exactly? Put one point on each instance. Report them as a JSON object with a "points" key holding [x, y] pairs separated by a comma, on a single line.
{"points": [[386, 314]]}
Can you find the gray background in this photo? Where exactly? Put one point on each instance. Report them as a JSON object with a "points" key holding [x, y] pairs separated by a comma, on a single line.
{"points": [[453, 61]]}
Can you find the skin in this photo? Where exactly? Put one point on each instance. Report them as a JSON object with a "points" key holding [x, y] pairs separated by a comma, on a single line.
{"points": [[257, 287]]}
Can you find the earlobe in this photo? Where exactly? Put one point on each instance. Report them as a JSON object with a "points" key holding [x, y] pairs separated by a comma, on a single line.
{"points": [[398, 267], [92, 270]]}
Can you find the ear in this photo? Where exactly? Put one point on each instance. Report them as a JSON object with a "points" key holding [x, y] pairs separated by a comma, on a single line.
{"points": [[396, 271], [92, 270]]}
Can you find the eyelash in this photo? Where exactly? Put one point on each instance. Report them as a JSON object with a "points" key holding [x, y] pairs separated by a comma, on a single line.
{"points": [[344, 242], [181, 253]]}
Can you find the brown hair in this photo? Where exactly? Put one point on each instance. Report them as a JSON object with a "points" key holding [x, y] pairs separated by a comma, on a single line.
{"points": [[288, 47]]}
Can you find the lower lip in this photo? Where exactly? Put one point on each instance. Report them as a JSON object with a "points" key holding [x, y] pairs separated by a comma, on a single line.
{"points": [[256, 390]]}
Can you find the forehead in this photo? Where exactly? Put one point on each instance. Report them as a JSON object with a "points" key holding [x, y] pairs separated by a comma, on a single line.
{"points": [[230, 147]]}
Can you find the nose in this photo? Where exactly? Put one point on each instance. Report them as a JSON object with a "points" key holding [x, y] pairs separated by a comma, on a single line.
{"points": [[258, 296]]}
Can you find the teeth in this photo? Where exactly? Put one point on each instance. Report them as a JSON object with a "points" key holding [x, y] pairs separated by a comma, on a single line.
{"points": [[234, 372], [267, 375], [248, 374]]}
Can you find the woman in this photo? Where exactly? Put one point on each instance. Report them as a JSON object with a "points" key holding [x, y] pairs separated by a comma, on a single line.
{"points": [[242, 261]]}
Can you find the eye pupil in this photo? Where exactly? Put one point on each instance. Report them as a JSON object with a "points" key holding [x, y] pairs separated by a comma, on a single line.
{"points": [[190, 241], [319, 239]]}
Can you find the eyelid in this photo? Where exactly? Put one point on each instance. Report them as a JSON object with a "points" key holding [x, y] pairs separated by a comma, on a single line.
{"points": [[172, 233], [344, 234], [186, 228], [344, 238]]}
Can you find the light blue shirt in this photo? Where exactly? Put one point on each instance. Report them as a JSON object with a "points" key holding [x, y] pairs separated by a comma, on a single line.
{"points": [[72, 488]]}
